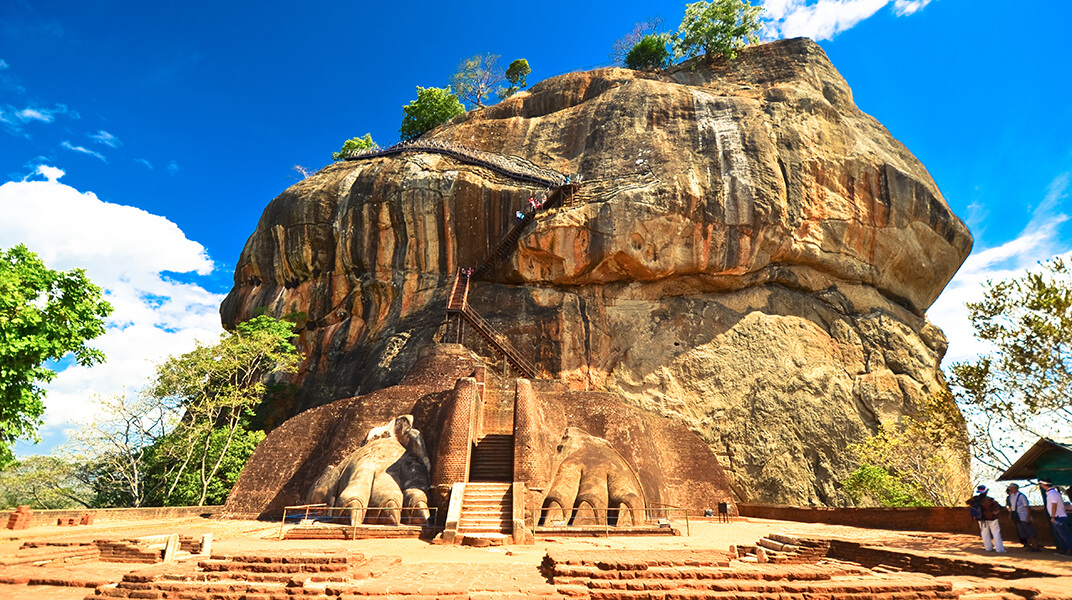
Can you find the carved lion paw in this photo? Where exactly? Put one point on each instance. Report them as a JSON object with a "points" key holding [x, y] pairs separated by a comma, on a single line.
{"points": [[384, 482], [593, 485]]}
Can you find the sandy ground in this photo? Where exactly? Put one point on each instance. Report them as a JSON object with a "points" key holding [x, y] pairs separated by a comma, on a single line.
{"points": [[238, 537]]}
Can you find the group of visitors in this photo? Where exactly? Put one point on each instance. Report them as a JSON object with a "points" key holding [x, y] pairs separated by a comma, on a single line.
{"points": [[986, 511]]}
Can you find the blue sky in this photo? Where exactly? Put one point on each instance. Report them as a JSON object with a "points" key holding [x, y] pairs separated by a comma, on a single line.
{"points": [[142, 141]]}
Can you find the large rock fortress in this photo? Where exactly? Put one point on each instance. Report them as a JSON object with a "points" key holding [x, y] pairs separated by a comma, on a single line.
{"points": [[748, 256]]}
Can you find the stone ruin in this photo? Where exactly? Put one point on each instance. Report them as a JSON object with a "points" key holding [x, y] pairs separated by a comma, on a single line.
{"points": [[614, 293]]}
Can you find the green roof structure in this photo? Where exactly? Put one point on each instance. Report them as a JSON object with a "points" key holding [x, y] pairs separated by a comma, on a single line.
{"points": [[1047, 458]]}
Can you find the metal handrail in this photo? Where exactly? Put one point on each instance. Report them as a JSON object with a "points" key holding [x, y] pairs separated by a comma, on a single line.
{"points": [[650, 516], [332, 514]]}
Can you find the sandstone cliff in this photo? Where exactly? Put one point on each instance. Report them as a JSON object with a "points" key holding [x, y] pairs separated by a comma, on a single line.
{"points": [[748, 253]]}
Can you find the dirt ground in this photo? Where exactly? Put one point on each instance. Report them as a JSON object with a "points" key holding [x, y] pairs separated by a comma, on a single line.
{"points": [[516, 566]]}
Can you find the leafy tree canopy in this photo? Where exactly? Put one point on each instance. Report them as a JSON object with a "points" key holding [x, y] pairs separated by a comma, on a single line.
{"points": [[433, 107], [717, 27], [649, 54], [44, 315], [44, 482], [356, 144], [476, 77], [517, 74], [184, 439], [621, 47], [1022, 389], [924, 458]]}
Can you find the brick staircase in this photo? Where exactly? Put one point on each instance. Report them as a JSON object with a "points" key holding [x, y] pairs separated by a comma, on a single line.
{"points": [[493, 459], [602, 575], [487, 511]]}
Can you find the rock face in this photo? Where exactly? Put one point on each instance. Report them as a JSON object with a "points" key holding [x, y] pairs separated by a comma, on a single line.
{"points": [[748, 253]]}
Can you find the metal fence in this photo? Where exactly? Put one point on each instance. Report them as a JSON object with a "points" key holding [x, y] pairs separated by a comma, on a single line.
{"points": [[311, 515], [614, 520]]}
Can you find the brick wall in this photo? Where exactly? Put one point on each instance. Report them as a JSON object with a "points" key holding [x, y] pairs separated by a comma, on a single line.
{"points": [[456, 438], [936, 519], [529, 461], [49, 517]]}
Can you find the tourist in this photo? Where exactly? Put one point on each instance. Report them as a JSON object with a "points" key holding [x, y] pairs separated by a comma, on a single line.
{"points": [[986, 510], [1020, 511], [520, 215], [1055, 508]]}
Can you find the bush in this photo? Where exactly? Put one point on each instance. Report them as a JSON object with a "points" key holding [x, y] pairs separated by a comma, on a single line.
{"points": [[354, 145], [649, 54]]}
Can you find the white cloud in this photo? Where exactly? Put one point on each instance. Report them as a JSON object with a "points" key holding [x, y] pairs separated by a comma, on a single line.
{"points": [[103, 137], [125, 250], [83, 150], [1039, 241], [904, 8], [144, 162], [173, 167], [824, 19], [3, 64]]}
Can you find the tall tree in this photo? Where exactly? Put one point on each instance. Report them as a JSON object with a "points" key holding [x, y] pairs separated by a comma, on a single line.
{"points": [[476, 78], [218, 387], [717, 27], [621, 47], [44, 315], [432, 108], [1021, 389]]}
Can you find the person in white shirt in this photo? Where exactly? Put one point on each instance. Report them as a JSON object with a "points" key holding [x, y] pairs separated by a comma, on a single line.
{"points": [[1055, 507], [1020, 511]]}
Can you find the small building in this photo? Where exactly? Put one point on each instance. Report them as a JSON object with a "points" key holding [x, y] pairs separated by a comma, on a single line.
{"points": [[1047, 458]]}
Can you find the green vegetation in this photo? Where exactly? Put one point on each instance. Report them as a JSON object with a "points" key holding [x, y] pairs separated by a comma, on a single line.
{"points": [[1023, 387], [44, 315], [719, 27], [185, 439], [621, 47], [917, 462], [433, 107], [475, 79], [649, 54], [353, 145], [517, 74], [45, 482]]}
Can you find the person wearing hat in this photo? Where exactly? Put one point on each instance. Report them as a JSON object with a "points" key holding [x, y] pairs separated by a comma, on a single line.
{"points": [[1020, 511], [1055, 507], [986, 510]]}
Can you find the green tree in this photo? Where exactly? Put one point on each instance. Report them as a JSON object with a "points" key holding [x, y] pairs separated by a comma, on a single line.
{"points": [[717, 27], [185, 438], [1022, 388], [433, 107], [44, 482], [44, 315], [356, 144], [219, 387], [924, 457], [476, 78], [875, 486], [621, 47], [517, 74], [649, 54]]}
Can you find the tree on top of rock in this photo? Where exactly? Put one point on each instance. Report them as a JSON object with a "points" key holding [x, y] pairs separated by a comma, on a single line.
{"points": [[433, 107], [517, 74], [621, 47], [356, 144], [717, 27], [476, 78], [649, 54]]}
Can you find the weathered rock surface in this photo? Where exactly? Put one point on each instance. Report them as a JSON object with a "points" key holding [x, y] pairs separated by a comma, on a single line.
{"points": [[749, 254]]}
